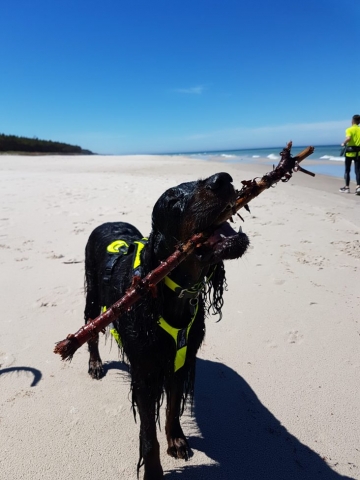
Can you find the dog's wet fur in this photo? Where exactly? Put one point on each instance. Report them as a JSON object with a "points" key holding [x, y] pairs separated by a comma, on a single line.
{"points": [[180, 212]]}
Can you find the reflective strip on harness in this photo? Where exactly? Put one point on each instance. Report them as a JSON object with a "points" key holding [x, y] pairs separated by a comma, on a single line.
{"points": [[119, 246], [180, 336], [113, 331], [137, 260]]}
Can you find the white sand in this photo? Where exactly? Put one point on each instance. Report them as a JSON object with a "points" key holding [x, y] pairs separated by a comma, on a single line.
{"points": [[278, 378]]}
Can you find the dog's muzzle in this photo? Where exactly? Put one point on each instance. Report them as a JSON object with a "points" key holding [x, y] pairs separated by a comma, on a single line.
{"points": [[224, 244]]}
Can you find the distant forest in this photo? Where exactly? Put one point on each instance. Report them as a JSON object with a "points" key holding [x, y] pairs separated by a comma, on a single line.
{"points": [[13, 143]]}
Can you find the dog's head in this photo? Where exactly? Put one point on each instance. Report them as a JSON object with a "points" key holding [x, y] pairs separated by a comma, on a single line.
{"points": [[195, 207]]}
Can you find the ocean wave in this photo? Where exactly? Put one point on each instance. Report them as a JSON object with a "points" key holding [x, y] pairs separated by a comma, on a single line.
{"points": [[272, 156], [256, 156], [227, 156], [330, 157]]}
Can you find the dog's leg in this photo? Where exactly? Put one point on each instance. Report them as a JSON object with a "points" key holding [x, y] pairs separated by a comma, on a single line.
{"points": [[149, 445], [177, 444], [92, 310], [96, 370]]}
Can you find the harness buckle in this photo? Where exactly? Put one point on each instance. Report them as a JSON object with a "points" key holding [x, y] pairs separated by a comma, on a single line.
{"points": [[194, 301], [182, 293]]}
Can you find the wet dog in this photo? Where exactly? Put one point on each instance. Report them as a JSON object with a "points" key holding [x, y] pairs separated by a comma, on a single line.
{"points": [[161, 334]]}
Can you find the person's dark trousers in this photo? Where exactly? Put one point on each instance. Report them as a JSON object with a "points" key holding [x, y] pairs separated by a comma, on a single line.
{"points": [[357, 171], [348, 161]]}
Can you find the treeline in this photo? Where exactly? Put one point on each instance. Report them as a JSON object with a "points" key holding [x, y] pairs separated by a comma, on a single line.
{"points": [[13, 143]]}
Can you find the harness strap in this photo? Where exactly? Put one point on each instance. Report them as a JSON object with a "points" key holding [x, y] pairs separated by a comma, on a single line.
{"points": [[183, 292], [116, 249], [111, 261], [353, 149], [187, 293], [180, 336], [140, 244], [113, 330], [119, 246]]}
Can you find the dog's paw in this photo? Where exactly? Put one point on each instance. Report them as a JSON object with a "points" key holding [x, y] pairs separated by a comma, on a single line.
{"points": [[96, 369], [178, 448]]}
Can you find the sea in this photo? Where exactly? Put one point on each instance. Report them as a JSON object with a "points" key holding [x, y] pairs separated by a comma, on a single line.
{"points": [[325, 160]]}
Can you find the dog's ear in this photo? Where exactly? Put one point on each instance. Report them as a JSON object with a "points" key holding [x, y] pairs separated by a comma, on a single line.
{"points": [[160, 247], [155, 251], [168, 214], [217, 284]]}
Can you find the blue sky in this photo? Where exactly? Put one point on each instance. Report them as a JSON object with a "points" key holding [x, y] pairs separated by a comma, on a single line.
{"points": [[153, 76]]}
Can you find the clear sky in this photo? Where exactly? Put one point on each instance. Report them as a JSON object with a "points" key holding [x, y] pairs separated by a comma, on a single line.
{"points": [[152, 76]]}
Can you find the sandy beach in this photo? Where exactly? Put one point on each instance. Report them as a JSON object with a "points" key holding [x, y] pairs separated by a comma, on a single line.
{"points": [[278, 379]]}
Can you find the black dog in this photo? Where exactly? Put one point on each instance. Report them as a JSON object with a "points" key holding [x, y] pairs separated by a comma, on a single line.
{"points": [[160, 335]]}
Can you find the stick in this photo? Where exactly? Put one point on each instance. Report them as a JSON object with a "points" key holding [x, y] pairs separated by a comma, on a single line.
{"points": [[251, 189]]}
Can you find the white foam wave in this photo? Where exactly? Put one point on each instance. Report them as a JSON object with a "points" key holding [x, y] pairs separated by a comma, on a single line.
{"points": [[272, 156], [330, 157], [227, 156], [256, 156]]}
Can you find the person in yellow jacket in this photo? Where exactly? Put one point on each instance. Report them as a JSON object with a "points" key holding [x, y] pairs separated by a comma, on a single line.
{"points": [[352, 152]]}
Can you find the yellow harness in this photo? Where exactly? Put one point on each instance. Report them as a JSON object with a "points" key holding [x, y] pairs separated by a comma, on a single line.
{"points": [[180, 335]]}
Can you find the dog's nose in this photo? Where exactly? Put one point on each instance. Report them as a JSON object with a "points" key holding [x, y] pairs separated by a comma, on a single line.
{"points": [[218, 181]]}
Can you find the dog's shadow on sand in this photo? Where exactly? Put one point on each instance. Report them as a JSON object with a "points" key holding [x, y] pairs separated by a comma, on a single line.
{"points": [[115, 365], [242, 436]]}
